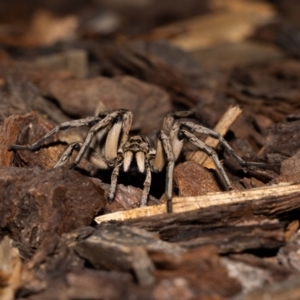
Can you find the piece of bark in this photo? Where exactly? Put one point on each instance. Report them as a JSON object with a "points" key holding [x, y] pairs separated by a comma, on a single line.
{"points": [[36, 203], [291, 165], [258, 80], [244, 53], [137, 59], [126, 197], [10, 269], [97, 252], [197, 273], [289, 170], [250, 183], [282, 142], [51, 261], [81, 97], [227, 26], [205, 276], [228, 239], [291, 229], [192, 179], [123, 248], [20, 95], [73, 60], [114, 285], [25, 130], [45, 29], [268, 196], [288, 289], [55, 262], [49, 264], [276, 271], [256, 85], [254, 271], [176, 59], [232, 229], [288, 255]]}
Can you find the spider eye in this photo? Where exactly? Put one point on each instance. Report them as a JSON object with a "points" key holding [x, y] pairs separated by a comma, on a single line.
{"points": [[137, 141], [180, 135]]}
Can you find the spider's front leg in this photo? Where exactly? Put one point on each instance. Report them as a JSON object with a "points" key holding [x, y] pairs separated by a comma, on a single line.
{"points": [[94, 157], [114, 180], [63, 126], [134, 157], [110, 124], [118, 124]]}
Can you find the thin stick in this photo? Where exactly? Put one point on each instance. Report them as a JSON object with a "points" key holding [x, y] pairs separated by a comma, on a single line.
{"points": [[184, 204]]}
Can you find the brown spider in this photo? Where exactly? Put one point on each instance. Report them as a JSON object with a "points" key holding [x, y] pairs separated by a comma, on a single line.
{"points": [[123, 152]]}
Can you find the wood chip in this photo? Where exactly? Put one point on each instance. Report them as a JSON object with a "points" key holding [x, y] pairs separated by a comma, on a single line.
{"points": [[217, 28], [222, 127], [10, 270], [184, 204]]}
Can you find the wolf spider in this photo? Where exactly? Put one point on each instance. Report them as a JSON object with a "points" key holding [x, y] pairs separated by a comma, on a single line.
{"points": [[138, 153]]}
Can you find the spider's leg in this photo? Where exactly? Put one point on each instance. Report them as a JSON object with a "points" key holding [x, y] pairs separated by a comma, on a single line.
{"points": [[93, 157], [185, 114], [118, 134], [176, 140], [209, 151], [67, 154], [97, 159], [113, 184], [62, 126], [159, 160], [216, 135], [147, 184], [171, 117], [108, 120], [167, 148], [127, 121], [168, 122]]}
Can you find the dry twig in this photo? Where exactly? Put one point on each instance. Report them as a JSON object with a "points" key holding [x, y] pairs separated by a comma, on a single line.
{"points": [[222, 127], [184, 204]]}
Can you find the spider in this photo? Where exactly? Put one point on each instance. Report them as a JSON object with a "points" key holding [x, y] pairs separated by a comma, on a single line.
{"points": [[138, 153]]}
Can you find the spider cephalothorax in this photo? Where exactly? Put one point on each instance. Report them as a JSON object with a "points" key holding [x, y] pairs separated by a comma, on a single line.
{"points": [[137, 153]]}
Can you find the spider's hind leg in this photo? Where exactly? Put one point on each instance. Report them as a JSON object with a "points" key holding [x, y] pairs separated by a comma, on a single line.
{"points": [[169, 120], [209, 151], [67, 154], [113, 183], [216, 135], [92, 156]]}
